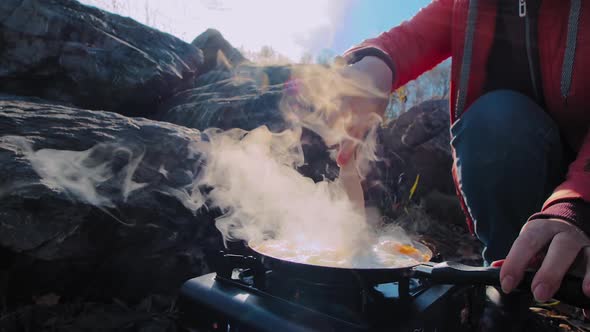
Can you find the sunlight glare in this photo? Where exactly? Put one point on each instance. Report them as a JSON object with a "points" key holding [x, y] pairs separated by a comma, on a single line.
{"points": [[292, 28]]}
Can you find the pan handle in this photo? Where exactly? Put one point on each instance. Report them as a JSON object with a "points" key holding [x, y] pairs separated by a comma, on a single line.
{"points": [[456, 273]]}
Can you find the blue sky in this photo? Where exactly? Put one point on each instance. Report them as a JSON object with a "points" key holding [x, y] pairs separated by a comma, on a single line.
{"points": [[368, 18], [291, 27]]}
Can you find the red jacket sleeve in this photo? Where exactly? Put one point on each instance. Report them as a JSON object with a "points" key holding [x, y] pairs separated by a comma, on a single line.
{"points": [[416, 45], [577, 183]]}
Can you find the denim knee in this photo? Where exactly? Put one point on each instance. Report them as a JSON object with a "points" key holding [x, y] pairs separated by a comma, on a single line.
{"points": [[505, 116], [508, 159]]}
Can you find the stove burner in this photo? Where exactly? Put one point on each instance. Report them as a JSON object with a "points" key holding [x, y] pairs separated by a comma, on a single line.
{"points": [[243, 295]]}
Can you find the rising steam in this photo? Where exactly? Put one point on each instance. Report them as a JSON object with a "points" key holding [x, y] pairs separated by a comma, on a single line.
{"points": [[263, 196], [319, 104], [250, 176], [80, 173], [254, 179]]}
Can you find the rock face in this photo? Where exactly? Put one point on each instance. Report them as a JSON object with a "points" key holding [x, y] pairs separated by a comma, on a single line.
{"points": [[243, 97], [232, 102], [217, 51], [415, 144], [64, 51], [142, 241]]}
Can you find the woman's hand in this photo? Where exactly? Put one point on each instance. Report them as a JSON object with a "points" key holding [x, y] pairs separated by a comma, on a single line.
{"points": [[376, 78], [565, 242]]}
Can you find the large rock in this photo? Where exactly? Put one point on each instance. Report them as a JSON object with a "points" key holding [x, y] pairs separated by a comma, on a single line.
{"points": [[64, 51], [217, 52], [240, 95], [140, 240], [230, 103], [417, 143]]}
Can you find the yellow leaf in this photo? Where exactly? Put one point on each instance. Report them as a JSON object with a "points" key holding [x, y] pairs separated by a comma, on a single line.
{"points": [[414, 187]]}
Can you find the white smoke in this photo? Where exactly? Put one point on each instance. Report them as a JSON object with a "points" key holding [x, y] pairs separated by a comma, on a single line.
{"points": [[327, 91], [263, 197], [81, 174], [255, 182], [77, 173], [250, 176]]}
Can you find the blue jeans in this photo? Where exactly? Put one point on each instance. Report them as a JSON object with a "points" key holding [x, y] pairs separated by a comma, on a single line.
{"points": [[509, 159]]}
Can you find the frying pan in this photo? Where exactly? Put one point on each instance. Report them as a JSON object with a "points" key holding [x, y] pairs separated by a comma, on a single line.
{"points": [[441, 273], [334, 274]]}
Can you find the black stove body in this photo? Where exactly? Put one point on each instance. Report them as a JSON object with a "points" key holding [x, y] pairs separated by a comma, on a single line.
{"points": [[243, 295]]}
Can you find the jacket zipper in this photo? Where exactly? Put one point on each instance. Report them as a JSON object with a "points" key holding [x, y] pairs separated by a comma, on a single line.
{"points": [[522, 12], [522, 8]]}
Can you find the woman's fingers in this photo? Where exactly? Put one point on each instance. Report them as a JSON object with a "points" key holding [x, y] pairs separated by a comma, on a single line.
{"points": [[358, 114], [562, 253], [349, 145], [565, 241], [531, 240]]}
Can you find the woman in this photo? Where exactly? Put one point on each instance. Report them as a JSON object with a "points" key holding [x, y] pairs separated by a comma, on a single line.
{"points": [[520, 113]]}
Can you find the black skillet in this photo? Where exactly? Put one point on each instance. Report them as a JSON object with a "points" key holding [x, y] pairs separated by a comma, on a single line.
{"points": [[441, 273]]}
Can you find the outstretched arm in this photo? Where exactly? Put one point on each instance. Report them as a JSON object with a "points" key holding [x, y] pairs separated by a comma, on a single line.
{"points": [[396, 57], [413, 47]]}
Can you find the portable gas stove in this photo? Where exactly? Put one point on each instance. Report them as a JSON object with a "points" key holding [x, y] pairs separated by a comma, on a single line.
{"points": [[246, 295]]}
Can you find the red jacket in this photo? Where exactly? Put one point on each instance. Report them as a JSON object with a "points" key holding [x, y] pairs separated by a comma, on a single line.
{"points": [[442, 29]]}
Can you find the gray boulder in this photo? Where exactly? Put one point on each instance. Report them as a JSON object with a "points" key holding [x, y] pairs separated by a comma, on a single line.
{"points": [[217, 52], [62, 50], [144, 237], [229, 103], [417, 143], [238, 94]]}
